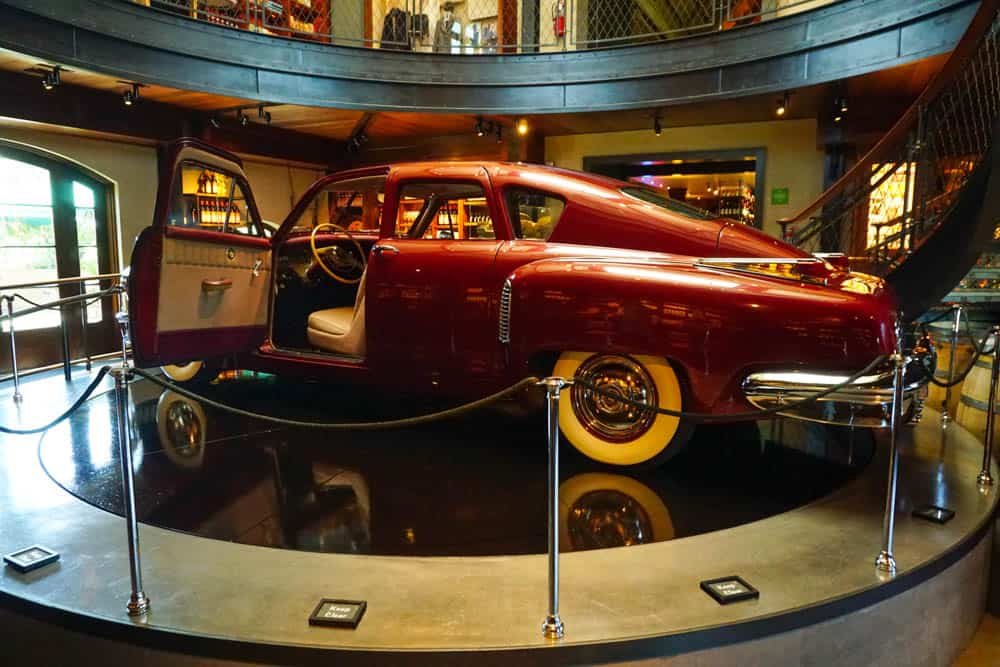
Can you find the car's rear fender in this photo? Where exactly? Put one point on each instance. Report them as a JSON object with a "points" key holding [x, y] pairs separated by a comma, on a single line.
{"points": [[715, 326]]}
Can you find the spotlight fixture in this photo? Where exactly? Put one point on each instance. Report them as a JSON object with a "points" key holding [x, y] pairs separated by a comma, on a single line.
{"points": [[479, 127], [264, 114], [242, 118], [214, 121], [522, 127], [657, 127], [51, 78], [499, 132], [130, 96], [782, 105], [842, 104]]}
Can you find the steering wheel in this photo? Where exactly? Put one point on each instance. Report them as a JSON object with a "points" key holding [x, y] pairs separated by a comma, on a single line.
{"points": [[318, 253]]}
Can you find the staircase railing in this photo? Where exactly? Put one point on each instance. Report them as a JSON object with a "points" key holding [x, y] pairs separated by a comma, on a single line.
{"points": [[898, 194]]}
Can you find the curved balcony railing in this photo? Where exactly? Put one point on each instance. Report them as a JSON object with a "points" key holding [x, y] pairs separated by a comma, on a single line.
{"points": [[919, 198], [483, 27]]}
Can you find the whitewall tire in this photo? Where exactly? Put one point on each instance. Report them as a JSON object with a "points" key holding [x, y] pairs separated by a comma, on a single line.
{"points": [[192, 371], [612, 432], [601, 510]]}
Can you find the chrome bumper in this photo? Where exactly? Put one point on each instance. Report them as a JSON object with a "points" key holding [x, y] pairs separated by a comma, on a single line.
{"points": [[866, 402]]}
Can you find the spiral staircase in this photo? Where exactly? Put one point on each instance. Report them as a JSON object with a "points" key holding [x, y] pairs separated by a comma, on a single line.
{"points": [[923, 204]]}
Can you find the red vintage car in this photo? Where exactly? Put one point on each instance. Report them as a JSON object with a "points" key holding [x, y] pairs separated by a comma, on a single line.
{"points": [[458, 279]]}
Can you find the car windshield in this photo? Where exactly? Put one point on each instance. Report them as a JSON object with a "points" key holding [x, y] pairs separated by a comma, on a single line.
{"points": [[354, 204], [657, 199]]}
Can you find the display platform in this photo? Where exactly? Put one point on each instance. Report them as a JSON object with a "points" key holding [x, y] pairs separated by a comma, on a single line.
{"points": [[743, 503], [468, 487]]}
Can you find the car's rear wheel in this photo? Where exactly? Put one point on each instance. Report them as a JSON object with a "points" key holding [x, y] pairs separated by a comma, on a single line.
{"points": [[611, 431], [192, 371]]}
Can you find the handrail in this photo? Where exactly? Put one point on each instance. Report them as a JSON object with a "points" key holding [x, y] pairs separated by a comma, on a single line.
{"points": [[966, 46], [62, 281]]}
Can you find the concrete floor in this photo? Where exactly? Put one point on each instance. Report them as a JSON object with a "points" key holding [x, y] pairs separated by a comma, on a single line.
{"points": [[984, 651]]}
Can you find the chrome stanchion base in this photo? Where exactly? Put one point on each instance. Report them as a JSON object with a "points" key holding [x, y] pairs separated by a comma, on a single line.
{"points": [[553, 627], [985, 478], [945, 418], [138, 604], [885, 563], [18, 397]]}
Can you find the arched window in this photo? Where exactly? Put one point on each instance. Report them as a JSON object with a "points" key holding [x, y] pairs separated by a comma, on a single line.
{"points": [[54, 223]]}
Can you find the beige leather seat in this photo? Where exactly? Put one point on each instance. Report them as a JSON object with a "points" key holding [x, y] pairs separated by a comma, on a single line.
{"points": [[340, 330]]}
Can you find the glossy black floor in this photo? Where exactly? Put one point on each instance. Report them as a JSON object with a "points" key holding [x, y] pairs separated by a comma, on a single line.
{"points": [[473, 486]]}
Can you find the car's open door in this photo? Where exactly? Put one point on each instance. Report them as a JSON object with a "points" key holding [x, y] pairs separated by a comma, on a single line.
{"points": [[200, 274]]}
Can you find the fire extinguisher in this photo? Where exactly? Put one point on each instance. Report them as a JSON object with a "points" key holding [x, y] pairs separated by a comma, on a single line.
{"points": [[559, 18]]}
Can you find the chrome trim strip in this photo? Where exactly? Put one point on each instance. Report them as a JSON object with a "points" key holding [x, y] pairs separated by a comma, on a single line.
{"points": [[504, 324]]}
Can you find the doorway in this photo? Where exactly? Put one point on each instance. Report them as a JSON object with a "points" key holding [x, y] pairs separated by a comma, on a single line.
{"points": [[54, 223], [725, 183]]}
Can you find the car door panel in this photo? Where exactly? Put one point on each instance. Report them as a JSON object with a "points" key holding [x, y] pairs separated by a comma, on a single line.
{"points": [[197, 293]]}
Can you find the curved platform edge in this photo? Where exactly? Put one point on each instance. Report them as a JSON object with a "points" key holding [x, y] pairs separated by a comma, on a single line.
{"points": [[823, 579]]}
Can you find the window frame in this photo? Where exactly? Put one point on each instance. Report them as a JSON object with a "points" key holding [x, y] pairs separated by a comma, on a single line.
{"points": [[511, 211], [177, 194], [424, 216]]}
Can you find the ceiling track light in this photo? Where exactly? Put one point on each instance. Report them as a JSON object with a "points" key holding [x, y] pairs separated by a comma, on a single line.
{"points": [[480, 127], [264, 114], [657, 126], [499, 133], [781, 107], [242, 118], [52, 78], [214, 121], [522, 126], [131, 96]]}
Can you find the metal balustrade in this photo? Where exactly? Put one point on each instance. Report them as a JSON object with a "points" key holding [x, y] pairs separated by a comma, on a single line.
{"points": [[483, 27], [906, 188], [12, 294]]}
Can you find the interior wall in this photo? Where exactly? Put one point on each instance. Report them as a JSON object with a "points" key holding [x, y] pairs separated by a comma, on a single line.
{"points": [[132, 169], [792, 160]]}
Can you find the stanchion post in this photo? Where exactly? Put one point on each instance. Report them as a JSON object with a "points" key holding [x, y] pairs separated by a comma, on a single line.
{"points": [[985, 477], [553, 627], [138, 602], [886, 562], [18, 396], [945, 417]]}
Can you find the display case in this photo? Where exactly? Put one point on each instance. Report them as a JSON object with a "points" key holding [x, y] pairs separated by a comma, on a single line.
{"points": [[738, 202]]}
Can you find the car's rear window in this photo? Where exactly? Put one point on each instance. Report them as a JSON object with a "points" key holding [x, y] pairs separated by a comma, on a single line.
{"points": [[672, 205]]}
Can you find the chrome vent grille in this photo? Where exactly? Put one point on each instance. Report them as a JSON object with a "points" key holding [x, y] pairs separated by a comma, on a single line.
{"points": [[504, 333]]}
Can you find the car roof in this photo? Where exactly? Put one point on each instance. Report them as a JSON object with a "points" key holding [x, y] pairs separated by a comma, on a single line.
{"points": [[492, 167]]}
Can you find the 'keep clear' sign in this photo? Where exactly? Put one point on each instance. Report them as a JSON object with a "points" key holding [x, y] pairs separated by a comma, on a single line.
{"points": [[338, 613]]}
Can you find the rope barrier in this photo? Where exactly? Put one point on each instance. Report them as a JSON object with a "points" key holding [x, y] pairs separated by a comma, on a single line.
{"points": [[347, 426], [451, 412], [704, 417], [978, 347], [526, 382], [76, 404]]}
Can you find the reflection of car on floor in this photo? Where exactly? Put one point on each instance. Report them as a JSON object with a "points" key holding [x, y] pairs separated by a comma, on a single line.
{"points": [[457, 279]]}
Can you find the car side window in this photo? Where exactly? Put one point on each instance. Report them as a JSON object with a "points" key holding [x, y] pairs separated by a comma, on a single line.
{"points": [[211, 199], [443, 210], [533, 214]]}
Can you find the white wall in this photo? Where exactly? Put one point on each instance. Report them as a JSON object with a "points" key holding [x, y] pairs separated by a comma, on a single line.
{"points": [[792, 160], [133, 171]]}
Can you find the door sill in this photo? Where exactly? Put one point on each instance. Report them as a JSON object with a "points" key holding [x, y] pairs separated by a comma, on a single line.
{"points": [[276, 351]]}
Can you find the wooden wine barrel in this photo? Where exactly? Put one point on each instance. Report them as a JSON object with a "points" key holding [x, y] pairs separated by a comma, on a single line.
{"points": [[936, 394], [972, 404]]}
